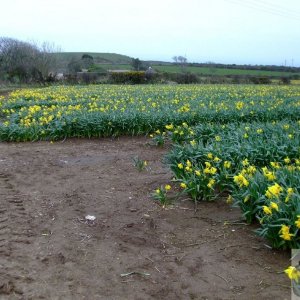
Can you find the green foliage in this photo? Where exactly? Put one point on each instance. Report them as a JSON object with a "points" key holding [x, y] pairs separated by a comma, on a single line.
{"points": [[197, 180], [279, 211], [158, 137], [139, 163], [87, 61]]}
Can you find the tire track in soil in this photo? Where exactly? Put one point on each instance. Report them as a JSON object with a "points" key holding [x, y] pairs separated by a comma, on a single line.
{"points": [[15, 234]]}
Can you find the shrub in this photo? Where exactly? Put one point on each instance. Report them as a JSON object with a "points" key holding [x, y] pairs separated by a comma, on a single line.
{"points": [[260, 80], [285, 80], [131, 77], [181, 78]]}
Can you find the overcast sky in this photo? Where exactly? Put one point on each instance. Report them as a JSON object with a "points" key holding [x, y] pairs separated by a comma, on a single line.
{"points": [[226, 31]]}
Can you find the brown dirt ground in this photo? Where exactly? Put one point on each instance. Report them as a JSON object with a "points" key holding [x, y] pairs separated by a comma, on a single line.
{"points": [[49, 251]]}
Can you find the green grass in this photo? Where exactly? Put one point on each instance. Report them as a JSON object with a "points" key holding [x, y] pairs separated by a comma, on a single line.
{"points": [[205, 71], [116, 66]]}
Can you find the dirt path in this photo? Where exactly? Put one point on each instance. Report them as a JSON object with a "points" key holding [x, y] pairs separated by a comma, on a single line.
{"points": [[49, 251]]}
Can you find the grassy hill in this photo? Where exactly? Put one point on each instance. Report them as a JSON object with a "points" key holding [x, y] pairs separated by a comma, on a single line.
{"points": [[63, 58]]}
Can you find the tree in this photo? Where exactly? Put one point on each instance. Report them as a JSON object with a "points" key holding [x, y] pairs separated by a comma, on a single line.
{"points": [[182, 59], [87, 60], [175, 58], [25, 61], [47, 61], [74, 66], [136, 64]]}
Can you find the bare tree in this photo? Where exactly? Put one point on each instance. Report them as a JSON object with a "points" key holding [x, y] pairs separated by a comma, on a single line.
{"points": [[74, 66], [175, 58], [47, 62], [182, 59], [25, 61]]}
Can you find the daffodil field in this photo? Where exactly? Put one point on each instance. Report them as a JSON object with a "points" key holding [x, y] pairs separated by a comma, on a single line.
{"points": [[238, 142]]}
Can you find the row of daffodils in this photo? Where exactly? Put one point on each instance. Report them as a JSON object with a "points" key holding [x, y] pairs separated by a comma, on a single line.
{"points": [[109, 110], [256, 166]]}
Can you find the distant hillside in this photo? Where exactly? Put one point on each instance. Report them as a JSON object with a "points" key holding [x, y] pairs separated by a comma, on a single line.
{"points": [[63, 58], [113, 61]]}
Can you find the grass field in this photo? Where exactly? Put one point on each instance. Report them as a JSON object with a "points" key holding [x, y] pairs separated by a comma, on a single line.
{"points": [[116, 66], [220, 71], [239, 141], [204, 71]]}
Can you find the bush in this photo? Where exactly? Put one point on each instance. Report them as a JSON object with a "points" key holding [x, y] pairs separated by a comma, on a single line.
{"points": [[130, 77], [87, 78], [187, 78], [181, 78], [260, 80], [285, 80]]}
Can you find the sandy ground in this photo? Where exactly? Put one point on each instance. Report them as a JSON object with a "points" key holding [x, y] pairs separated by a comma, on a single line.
{"points": [[49, 251]]}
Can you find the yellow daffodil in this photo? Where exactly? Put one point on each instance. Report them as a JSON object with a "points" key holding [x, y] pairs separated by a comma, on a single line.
{"points": [[274, 206], [210, 155], [273, 191], [297, 222], [292, 273], [227, 164], [259, 131], [183, 185], [170, 127], [240, 180], [167, 187], [267, 210], [193, 143], [229, 199], [211, 183], [180, 166], [285, 233]]}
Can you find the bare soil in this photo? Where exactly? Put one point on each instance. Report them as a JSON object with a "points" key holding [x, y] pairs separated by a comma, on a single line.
{"points": [[48, 250]]}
